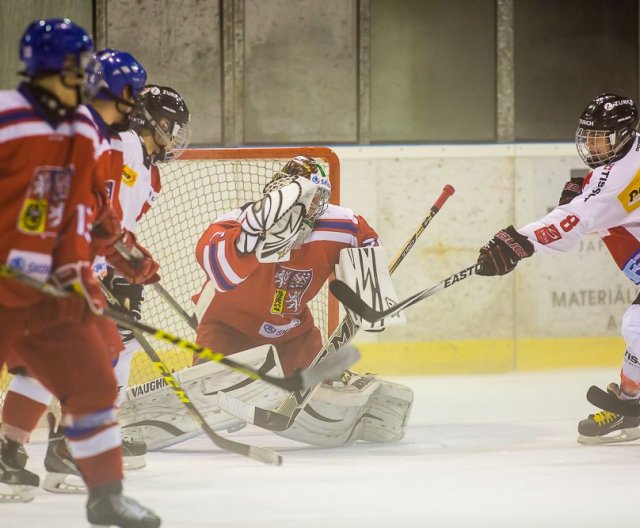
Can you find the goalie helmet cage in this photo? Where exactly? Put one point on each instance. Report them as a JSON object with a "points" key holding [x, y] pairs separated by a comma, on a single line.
{"points": [[197, 188]]}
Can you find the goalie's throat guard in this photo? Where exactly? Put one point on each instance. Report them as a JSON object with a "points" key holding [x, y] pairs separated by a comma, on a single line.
{"points": [[365, 270]]}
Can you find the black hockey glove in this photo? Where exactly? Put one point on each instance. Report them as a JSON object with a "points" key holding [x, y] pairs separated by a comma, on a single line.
{"points": [[570, 190], [129, 296], [503, 252]]}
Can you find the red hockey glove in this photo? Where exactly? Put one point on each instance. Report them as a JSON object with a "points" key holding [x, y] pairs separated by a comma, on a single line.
{"points": [[503, 252], [78, 277], [140, 268], [106, 230]]}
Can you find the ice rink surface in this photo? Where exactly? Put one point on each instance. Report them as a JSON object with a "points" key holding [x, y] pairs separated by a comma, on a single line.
{"points": [[481, 451]]}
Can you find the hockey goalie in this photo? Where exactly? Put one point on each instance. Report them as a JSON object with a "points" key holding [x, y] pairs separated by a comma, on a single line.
{"points": [[264, 262]]}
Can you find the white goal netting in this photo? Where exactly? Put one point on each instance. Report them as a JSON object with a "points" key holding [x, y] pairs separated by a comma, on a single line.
{"points": [[197, 188]]}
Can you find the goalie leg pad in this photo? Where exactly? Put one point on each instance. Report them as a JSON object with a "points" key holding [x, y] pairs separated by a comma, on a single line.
{"points": [[152, 413], [355, 408]]}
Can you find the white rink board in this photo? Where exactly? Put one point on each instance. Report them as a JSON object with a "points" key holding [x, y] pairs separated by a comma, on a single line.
{"points": [[577, 294]]}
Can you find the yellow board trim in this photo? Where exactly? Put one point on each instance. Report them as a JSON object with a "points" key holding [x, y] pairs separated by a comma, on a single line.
{"points": [[489, 355]]}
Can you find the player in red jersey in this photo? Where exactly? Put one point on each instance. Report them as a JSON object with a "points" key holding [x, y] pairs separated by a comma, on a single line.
{"points": [[48, 163]]}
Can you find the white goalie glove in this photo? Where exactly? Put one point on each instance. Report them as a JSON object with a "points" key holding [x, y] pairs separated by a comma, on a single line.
{"points": [[271, 226], [366, 271]]}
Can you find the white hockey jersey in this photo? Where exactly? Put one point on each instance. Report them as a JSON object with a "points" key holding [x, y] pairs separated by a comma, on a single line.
{"points": [[139, 186], [609, 205]]}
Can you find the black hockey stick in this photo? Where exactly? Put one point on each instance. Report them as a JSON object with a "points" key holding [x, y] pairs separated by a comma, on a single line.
{"points": [[282, 418], [353, 302], [257, 453], [301, 380], [131, 256], [609, 402]]}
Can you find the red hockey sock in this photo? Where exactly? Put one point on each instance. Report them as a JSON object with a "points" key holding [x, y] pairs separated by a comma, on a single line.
{"points": [[20, 416], [102, 469]]}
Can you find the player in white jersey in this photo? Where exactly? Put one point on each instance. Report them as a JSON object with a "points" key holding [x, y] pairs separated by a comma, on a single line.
{"points": [[608, 204], [160, 132]]}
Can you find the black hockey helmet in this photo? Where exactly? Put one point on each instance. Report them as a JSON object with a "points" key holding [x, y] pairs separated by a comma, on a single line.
{"points": [[162, 111], [606, 129]]}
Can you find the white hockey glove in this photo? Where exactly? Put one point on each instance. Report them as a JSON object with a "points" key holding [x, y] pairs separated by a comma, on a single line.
{"points": [[271, 226], [366, 271]]}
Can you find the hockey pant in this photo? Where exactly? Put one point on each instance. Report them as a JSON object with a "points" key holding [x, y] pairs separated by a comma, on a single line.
{"points": [[296, 353], [73, 360], [630, 329]]}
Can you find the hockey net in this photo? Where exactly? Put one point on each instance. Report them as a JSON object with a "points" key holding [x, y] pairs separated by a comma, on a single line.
{"points": [[197, 188]]}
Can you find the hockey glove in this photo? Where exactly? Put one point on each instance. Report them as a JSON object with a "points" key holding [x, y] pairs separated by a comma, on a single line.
{"points": [[78, 277], [570, 190], [139, 270], [129, 297], [503, 252], [105, 229]]}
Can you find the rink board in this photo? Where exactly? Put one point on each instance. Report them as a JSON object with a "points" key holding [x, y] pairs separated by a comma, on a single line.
{"points": [[571, 303]]}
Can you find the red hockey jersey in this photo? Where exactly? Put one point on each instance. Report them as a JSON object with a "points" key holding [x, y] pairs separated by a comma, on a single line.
{"points": [[269, 301], [47, 179]]}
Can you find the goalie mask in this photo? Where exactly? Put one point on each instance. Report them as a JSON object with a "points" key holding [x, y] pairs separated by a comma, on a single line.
{"points": [[606, 129], [304, 167], [162, 111]]}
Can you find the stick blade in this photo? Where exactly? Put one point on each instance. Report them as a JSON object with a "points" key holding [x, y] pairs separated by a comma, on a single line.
{"points": [[344, 357], [606, 401], [352, 301]]}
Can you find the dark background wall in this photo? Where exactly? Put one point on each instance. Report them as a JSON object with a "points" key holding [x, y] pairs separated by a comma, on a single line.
{"points": [[365, 71]]}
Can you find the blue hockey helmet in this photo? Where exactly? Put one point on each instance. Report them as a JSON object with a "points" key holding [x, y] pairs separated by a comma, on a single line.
{"points": [[46, 44], [114, 70]]}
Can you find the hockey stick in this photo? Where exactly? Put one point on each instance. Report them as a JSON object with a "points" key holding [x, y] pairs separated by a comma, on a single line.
{"points": [[131, 256], [301, 380], [283, 417], [608, 402], [257, 453], [353, 302]]}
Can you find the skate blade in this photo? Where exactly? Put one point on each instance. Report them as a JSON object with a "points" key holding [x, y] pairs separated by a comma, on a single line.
{"points": [[58, 483], [623, 435], [134, 462], [16, 493]]}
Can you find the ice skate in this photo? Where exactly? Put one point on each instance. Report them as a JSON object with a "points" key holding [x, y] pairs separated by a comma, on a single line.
{"points": [[107, 506], [63, 475], [133, 453], [606, 427], [16, 483]]}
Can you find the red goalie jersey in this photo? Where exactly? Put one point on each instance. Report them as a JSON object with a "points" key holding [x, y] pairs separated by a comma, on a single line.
{"points": [[256, 303]]}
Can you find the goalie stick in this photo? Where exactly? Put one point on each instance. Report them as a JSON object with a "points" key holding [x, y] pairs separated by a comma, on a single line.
{"points": [[257, 453], [301, 380], [353, 302], [282, 418], [608, 402]]}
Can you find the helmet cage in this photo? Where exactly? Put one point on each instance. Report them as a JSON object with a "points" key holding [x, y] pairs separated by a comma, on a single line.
{"points": [[302, 166], [600, 147], [171, 136]]}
